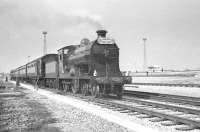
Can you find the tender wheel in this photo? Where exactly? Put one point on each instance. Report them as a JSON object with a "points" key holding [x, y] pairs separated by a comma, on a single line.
{"points": [[85, 89], [66, 88], [75, 86], [74, 89]]}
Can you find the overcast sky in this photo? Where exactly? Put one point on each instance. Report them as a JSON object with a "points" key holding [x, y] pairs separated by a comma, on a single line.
{"points": [[172, 29]]}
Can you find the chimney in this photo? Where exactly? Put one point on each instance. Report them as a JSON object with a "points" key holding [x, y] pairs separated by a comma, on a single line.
{"points": [[101, 33]]}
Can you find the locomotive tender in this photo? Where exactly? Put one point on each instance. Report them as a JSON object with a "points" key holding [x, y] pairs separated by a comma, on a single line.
{"points": [[90, 68]]}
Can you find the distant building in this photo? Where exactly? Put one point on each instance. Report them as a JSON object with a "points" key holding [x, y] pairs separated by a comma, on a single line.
{"points": [[155, 69]]}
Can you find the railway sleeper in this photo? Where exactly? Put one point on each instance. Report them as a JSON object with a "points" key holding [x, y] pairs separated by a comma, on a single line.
{"points": [[145, 116], [120, 109], [133, 113], [157, 119], [125, 111], [169, 123], [185, 128]]}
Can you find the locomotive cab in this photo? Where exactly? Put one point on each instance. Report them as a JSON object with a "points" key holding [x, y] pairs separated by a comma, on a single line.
{"points": [[63, 56]]}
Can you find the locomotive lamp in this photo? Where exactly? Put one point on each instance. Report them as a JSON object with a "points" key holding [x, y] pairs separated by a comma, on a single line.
{"points": [[45, 45]]}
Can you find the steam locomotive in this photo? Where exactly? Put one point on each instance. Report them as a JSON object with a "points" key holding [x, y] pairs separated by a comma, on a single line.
{"points": [[90, 68]]}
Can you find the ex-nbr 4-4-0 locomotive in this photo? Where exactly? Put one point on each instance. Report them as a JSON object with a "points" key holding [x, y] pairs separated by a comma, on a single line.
{"points": [[90, 68]]}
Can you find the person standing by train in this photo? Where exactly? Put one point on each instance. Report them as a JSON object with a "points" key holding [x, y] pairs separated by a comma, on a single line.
{"points": [[36, 84]]}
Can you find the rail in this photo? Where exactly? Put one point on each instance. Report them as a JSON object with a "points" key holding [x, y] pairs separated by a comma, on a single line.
{"points": [[164, 84], [165, 97]]}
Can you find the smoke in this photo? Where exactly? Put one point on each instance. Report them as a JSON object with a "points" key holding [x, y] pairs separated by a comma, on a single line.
{"points": [[42, 16], [84, 16], [77, 18]]}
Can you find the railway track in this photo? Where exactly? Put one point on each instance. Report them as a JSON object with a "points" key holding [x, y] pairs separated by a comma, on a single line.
{"points": [[167, 114], [152, 112], [165, 84], [164, 106], [165, 97], [156, 112]]}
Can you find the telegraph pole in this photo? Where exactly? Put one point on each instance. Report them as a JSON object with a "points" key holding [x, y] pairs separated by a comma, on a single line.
{"points": [[45, 45], [145, 58]]}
